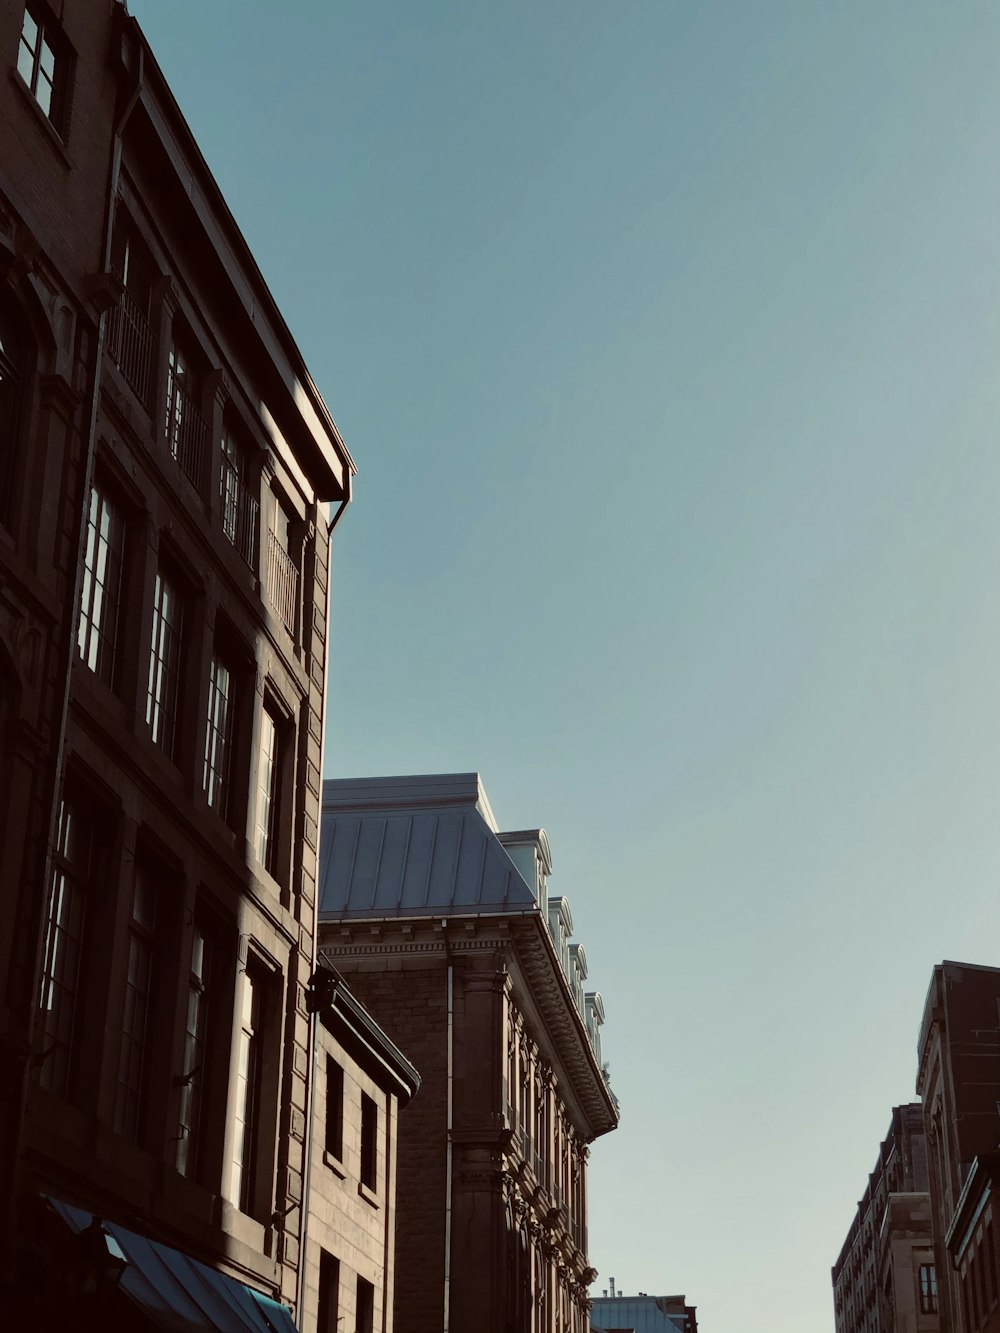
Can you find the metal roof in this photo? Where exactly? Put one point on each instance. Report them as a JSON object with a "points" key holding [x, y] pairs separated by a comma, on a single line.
{"points": [[412, 846]]}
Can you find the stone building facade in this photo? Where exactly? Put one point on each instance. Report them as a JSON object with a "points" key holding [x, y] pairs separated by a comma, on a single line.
{"points": [[166, 471], [958, 1082], [885, 1278], [446, 931], [361, 1080]]}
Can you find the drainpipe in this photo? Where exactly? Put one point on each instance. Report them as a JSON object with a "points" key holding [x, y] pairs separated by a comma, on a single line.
{"points": [[447, 1157], [310, 1130], [70, 618]]}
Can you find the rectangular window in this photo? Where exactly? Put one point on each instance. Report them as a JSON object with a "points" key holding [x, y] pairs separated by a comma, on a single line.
{"points": [[369, 1142], [218, 735], [129, 336], [101, 592], [365, 1321], [334, 1108], [165, 662], [42, 63], [194, 1073], [928, 1289], [185, 428], [72, 876], [242, 1168], [238, 503], [267, 791], [991, 1261], [283, 570], [133, 1061], [329, 1294]]}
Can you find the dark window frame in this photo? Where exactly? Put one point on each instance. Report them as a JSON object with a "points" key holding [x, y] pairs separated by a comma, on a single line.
{"points": [[368, 1155], [49, 88], [334, 1128]]}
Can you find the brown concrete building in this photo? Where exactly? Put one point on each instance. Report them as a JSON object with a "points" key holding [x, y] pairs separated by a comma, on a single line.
{"points": [[885, 1279], [360, 1081], [166, 467], [959, 1086], [447, 932]]}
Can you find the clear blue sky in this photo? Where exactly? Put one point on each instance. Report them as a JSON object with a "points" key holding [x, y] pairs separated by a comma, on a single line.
{"points": [[666, 336]]}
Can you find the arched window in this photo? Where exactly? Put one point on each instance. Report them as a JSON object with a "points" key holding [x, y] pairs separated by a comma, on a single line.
{"points": [[12, 366]]}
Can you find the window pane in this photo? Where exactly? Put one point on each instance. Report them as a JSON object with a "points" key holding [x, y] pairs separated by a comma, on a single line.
{"points": [[217, 735], [47, 62], [29, 32], [26, 58], [164, 663], [101, 591], [266, 790], [137, 1009]]}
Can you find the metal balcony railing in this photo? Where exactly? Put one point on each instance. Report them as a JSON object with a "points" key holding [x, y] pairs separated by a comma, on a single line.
{"points": [[130, 342], [240, 512], [186, 432], [282, 583]]}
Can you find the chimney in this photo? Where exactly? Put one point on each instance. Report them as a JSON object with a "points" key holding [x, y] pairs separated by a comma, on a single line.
{"points": [[612, 1283]]}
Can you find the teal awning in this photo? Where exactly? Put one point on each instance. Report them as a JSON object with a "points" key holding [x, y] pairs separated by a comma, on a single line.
{"points": [[179, 1294]]}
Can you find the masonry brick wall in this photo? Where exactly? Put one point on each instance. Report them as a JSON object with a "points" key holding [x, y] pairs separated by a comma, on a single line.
{"points": [[415, 1016]]}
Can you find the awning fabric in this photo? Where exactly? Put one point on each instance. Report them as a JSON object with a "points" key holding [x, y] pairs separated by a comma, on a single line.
{"points": [[179, 1294]]}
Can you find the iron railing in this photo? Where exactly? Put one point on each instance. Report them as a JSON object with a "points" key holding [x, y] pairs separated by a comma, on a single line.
{"points": [[239, 512], [186, 432], [130, 342], [282, 583]]}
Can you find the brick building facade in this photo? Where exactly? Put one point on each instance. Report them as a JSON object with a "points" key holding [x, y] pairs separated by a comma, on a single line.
{"points": [[885, 1277], [958, 1082], [445, 929], [166, 466]]}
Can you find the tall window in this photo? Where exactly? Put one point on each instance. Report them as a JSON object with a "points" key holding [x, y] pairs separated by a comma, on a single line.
{"points": [[72, 878], [218, 735], [11, 377], [42, 62], [267, 791], [242, 1176], [283, 570], [238, 503], [928, 1289], [102, 577], [186, 429], [133, 1055], [165, 662], [329, 1294], [369, 1142], [334, 1108], [193, 1077], [129, 336], [365, 1316]]}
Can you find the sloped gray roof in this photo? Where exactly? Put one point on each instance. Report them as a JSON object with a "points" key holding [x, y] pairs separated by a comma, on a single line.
{"points": [[414, 846]]}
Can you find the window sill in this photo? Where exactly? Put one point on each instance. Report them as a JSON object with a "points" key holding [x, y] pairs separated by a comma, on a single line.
{"points": [[369, 1195], [54, 137], [335, 1165]]}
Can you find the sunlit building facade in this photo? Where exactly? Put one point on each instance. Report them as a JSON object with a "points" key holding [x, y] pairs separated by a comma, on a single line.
{"points": [[447, 931]]}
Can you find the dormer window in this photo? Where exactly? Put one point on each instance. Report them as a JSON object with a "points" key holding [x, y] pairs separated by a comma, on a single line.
{"points": [[43, 62]]}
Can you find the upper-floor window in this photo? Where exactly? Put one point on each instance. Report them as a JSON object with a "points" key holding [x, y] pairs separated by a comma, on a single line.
{"points": [[237, 499], [133, 1071], [334, 1108], [268, 791], [70, 906], [163, 691], [219, 734], [328, 1320], [185, 428], [364, 1314], [129, 335], [928, 1289], [12, 359], [369, 1142], [283, 569], [101, 589], [194, 1075], [43, 63]]}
